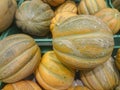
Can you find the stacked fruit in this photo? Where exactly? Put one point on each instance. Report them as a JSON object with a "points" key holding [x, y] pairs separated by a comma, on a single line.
{"points": [[82, 35]]}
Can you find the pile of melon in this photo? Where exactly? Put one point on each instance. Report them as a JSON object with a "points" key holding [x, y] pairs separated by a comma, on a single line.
{"points": [[82, 41]]}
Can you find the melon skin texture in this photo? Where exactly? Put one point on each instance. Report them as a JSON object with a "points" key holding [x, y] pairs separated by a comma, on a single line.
{"points": [[7, 13], [34, 17], [111, 17], [51, 74], [68, 6], [117, 61], [91, 7], [82, 42], [103, 77], [19, 57], [59, 18], [22, 85], [118, 87]]}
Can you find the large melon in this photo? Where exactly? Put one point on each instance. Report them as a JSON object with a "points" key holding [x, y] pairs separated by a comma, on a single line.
{"points": [[103, 77], [34, 17], [19, 57], [82, 42], [52, 74]]}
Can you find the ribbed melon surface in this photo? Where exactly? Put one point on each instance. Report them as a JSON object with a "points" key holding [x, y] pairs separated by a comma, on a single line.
{"points": [[19, 57]]}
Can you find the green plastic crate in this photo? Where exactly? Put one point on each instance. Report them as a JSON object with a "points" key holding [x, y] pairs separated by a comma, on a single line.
{"points": [[110, 3]]}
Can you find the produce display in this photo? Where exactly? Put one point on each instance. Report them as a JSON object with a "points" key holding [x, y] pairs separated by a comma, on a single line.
{"points": [[59, 45]]}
